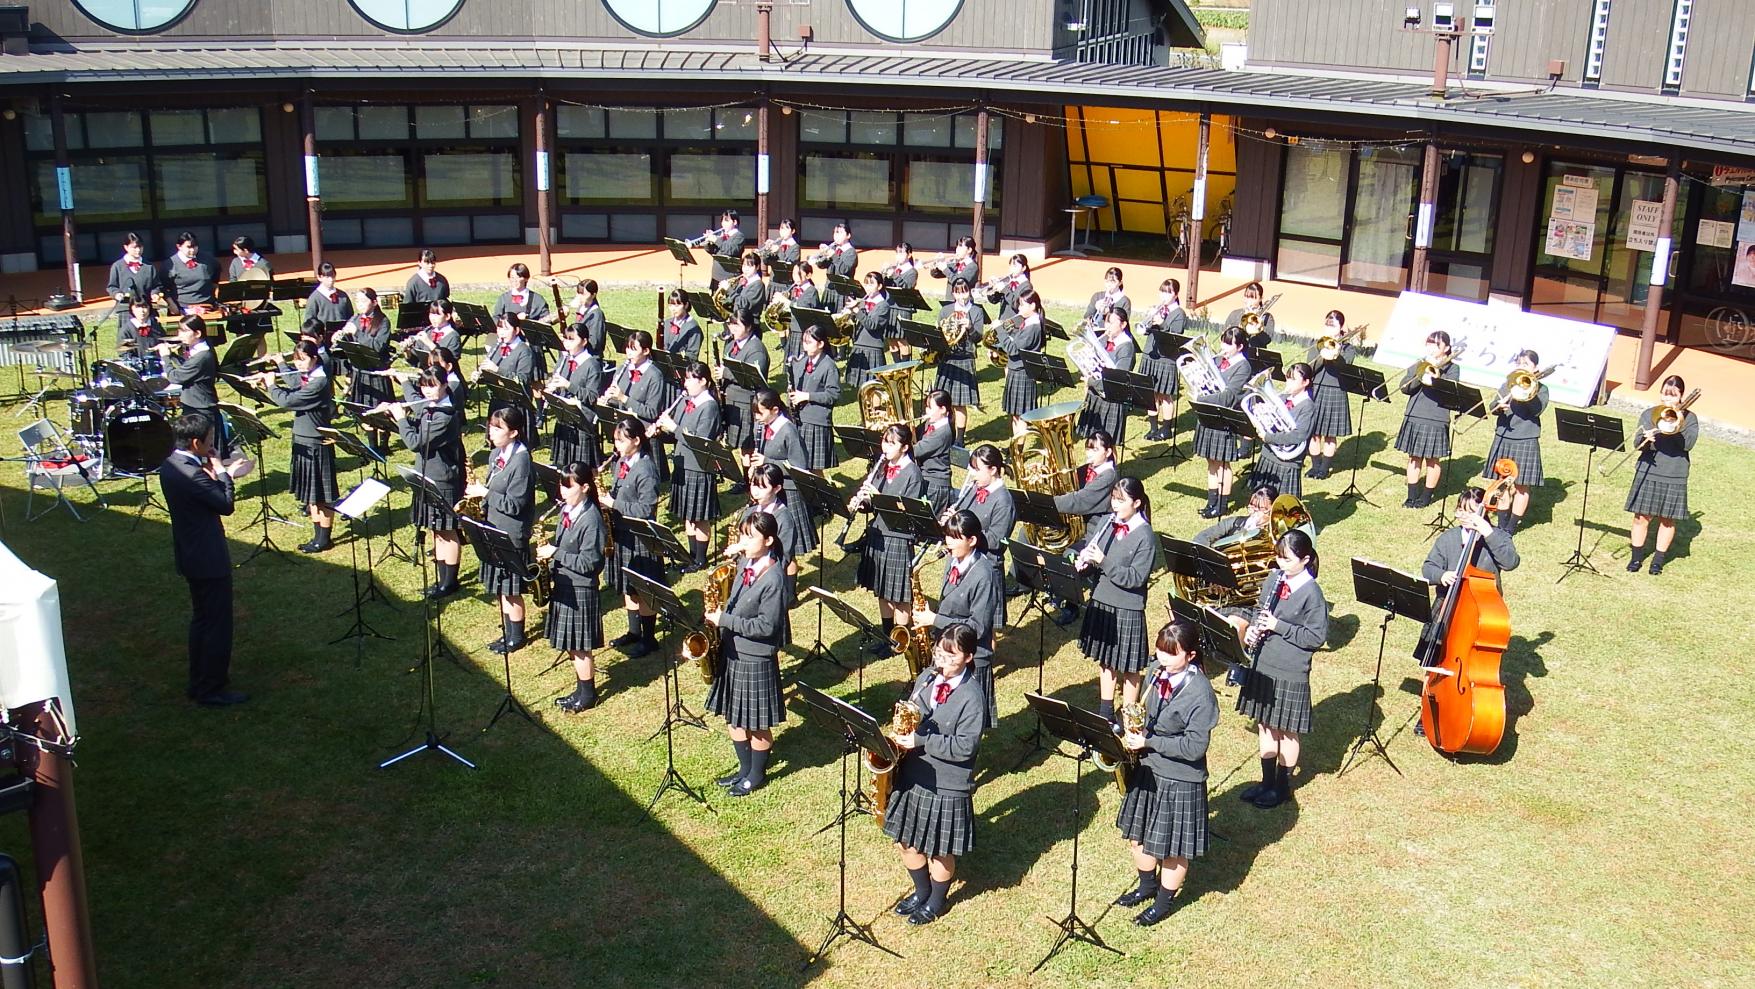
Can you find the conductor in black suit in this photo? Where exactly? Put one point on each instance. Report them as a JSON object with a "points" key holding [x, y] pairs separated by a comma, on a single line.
{"points": [[198, 492]]}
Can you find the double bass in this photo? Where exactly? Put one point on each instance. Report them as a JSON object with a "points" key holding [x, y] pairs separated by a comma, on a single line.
{"points": [[1462, 704]]}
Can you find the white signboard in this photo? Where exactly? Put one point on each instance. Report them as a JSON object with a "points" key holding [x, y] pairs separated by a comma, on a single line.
{"points": [[33, 660], [1491, 336], [1643, 223]]}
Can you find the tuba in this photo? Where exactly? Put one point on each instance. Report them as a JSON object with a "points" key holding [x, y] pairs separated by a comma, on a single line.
{"points": [[1042, 457], [1084, 356], [990, 339], [1132, 722], [1266, 408], [904, 721], [1199, 369], [888, 397], [1251, 555], [777, 316], [702, 647]]}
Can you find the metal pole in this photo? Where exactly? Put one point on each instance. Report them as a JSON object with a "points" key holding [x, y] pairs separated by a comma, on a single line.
{"points": [[764, 33], [313, 191], [1660, 271], [1423, 220], [1197, 212], [64, 182], [544, 192], [54, 831], [979, 219], [762, 169], [1441, 64]]}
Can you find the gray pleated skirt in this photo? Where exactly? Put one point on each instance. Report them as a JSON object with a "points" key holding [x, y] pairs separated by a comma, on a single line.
{"points": [[856, 370], [565, 445], [1167, 817], [312, 478], [628, 557], [1115, 638], [1020, 393], [694, 495], [819, 444], [498, 581], [930, 822], [1287, 475], [1334, 411], [883, 566], [797, 535], [747, 695], [1099, 413], [1659, 497], [957, 377], [1276, 703], [1163, 373], [1423, 438], [575, 615], [736, 418], [426, 513], [1526, 453], [1215, 445]]}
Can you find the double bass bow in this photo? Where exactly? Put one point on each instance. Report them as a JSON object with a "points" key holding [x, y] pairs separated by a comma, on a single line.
{"points": [[1462, 704]]}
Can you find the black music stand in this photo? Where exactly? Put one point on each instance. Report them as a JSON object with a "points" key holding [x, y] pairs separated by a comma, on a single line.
{"points": [[844, 287], [1595, 431], [860, 444], [1396, 593], [925, 339], [806, 318], [1220, 638], [240, 352], [912, 516], [1048, 370], [471, 320], [823, 501], [1459, 400], [1134, 391], [248, 390], [1262, 359], [1368, 384], [665, 602], [411, 316], [1170, 344], [379, 461], [907, 299], [1046, 575], [354, 506], [681, 252], [496, 548], [252, 431], [858, 731], [430, 639], [1091, 734], [427, 488], [1224, 420], [539, 333], [660, 542], [617, 336], [867, 631], [744, 374]]}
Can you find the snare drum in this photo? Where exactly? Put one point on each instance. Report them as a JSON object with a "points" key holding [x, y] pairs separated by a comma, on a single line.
{"points": [[85, 414], [137, 437]]}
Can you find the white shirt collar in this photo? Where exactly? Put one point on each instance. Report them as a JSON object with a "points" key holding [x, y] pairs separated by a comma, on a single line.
{"points": [[998, 482], [1294, 583], [955, 682], [191, 454], [1103, 466]]}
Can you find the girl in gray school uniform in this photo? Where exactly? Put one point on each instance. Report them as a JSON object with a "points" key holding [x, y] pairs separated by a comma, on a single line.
{"points": [[1425, 432], [508, 497], [1123, 552], [1167, 316], [1115, 348], [778, 441], [932, 451], [1164, 814], [1517, 435], [973, 594], [1660, 481], [1221, 448], [575, 558], [312, 477], [752, 627], [871, 321], [746, 348], [956, 370], [579, 377], [1091, 500], [1334, 411], [633, 493], [694, 490], [1020, 395], [886, 553], [931, 811], [1291, 624], [813, 386], [1287, 473]]}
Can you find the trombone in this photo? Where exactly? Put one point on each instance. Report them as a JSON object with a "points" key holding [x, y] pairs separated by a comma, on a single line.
{"points": [[1520, 386], [1666, 420]]}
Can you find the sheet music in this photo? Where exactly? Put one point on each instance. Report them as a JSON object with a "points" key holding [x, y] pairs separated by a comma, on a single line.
{"points": [[360, 500]]}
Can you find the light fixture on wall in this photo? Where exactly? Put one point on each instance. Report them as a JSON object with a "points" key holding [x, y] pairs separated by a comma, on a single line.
{"points": [[785, 111], [1029, 118], [9, 113], [1270, 134], [1411, 19], [286, 108], [1528, 157]]}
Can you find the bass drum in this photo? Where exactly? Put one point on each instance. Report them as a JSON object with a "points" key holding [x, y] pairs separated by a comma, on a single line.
{"points": [[137, 437]]}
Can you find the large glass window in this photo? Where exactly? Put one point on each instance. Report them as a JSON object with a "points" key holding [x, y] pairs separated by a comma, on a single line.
{"points": [[659, 18], [1460, 264], [135, 16], [1143, 161], [1587, 265], [662, 171], [904, 20], [1718, 303], [1313, 209], [407, 16]]}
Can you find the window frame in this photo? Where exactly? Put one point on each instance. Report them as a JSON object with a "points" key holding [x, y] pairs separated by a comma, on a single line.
{"points": [[188, 8], [456, 8], [956, 12], [712, 5]]}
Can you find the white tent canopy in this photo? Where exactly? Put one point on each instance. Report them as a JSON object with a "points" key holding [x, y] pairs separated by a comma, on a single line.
{"points": [[33, 659]]}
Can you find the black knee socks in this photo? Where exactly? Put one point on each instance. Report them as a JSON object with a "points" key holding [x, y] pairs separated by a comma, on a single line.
{"points": [[922, 882], [1166, 896], [936, 900], [320, 536], [1149, 880], [700, 551], [446, 575], [514, 633], [758, 773], [1106, 709], [743, 756], [649, 627]]}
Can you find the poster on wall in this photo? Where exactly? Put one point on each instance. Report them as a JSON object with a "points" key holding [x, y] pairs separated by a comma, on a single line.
{"points": [[1643, 223], [1490, 338], [1574, 203], [1743, 272], [1746, 218], [1570, 239], [1716, 233]]}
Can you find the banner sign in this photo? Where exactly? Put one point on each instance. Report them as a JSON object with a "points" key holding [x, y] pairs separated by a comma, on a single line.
{"points": [[1491, 336]]}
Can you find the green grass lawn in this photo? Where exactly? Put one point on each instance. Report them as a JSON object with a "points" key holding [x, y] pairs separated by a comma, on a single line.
{"points": [[1606, 843]]}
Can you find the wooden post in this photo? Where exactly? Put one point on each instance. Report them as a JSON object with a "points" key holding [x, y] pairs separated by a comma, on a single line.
{"points": [[313, 191], [1197, 212], [64, 182], [1424, 219], [1660, 270], [981, 179], [762, 171], [544, 190], [60, 866]]}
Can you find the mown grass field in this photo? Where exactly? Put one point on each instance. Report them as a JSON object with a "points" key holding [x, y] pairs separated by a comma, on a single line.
{"points": [[1606, 843]]}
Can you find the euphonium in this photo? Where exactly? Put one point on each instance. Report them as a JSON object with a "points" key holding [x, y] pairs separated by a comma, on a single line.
{"points": [[1199, 369], [1084, 356], [1133, 722], [888, 397], [1266, 407], [470, 506], [1251, 554], [777, 316], [904, 721], [702, 647], [1042, 457]]}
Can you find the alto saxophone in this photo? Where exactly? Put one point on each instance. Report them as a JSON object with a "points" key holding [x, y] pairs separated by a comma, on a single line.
{"points": [[470, 506], [903, 722], [542, 587], [1132, 722], [702, 647], [915, 641]]}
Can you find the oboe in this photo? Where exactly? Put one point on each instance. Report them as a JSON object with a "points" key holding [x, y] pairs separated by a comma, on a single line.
{"points": [[877, 464]]}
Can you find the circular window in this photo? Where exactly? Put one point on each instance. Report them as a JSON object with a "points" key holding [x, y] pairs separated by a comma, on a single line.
{"points": [[135, 16], [659, 18], [407, 16], [904, 20]]}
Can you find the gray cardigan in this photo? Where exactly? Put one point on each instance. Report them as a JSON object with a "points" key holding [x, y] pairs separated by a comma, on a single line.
{"points": [[753, 625], [1522, 420], [703, 422], [682, 338], [871, 320], [312, 404], [1303, 628], [1304, 419], [976, 600], [511, 494], [1421, 404], [197, 374], [1179, 729], [949, 736], [998, 514], [752, 351], [821, 381], [645, 400], [1667, 456], [1127, 565], [579, 547], [435, 437], [1092, 498]]}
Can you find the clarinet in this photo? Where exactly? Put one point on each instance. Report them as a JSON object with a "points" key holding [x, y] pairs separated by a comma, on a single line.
{"points": [[877, 464]]}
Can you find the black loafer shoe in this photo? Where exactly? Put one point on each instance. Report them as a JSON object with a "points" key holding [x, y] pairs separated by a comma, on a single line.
{"points": [[1270, 798], [1065, 617], [442, 591], [222, 698], [1252, 791], [1152, 914], [729, 779], [497, 646], [641, 647], [624, 640], [742, 788], [922, 917], [880, 648], [1655, 568], [908, 904], [1134, 897]]}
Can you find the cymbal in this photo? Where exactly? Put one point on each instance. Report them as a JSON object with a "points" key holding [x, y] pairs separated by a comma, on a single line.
{"points": [[44, 347]]}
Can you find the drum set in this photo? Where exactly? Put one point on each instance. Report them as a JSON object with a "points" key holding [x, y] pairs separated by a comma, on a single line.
{"points": [[124, 411]]}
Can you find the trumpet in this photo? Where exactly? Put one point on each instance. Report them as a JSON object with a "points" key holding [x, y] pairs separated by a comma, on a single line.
{"points": [[936, 267], [700, 241], [1666, 420], [770, 249], [991, 285], [890, 271]]}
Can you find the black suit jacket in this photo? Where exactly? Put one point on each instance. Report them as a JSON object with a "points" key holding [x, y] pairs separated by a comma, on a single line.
{"points": [[197, 503]]}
